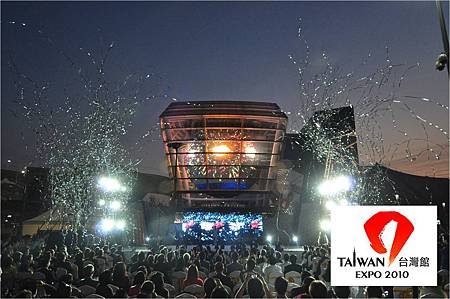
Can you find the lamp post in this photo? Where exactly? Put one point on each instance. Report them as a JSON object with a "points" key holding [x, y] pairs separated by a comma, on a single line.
{"points": [[442, 59], [176, 146]]}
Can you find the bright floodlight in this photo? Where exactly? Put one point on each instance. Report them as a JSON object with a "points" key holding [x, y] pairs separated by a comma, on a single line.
{"points": [[325, 224], [101, 202], [120, 224], [295, 239], [115, 205], [335, 186], [106, 225], [330, 204], [269, 238], [147, 239], [220, 150], [109, 184]]}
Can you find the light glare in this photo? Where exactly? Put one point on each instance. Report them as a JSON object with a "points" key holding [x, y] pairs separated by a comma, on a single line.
{"points": [[115, 205], [120, 224], [330, 204], [220, 150], [108, 184], [335, 186], [106, 225], [325, 224]]}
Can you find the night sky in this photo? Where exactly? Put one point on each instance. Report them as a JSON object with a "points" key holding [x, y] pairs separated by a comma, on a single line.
{"points": [[216, 51]]}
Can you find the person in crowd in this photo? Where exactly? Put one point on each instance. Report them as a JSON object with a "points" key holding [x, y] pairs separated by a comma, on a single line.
{"points": [[104, 281], [285, 261], [261, 262], [317, 289], [120, 277], [304, 288], [325, 273], [63, 291], [105, 277], [257, 288], [224, 279], [79, 262], [163, 266], [9, 272], [272, 268], [158, 280], [234, 265], [139, 261], [51, 270], [17, 256], [341, 291], [108, 258], [192, 277], [68, 279], [250, 264], [203, 262], [104, 291], [135, 289], [281, 285], [374, 292], [26, 264], [293, 266], [88, 272], [208, 286], [99, 261], [147, 290], [116, 257], [179, 266], [220, 292], [44, 268], [120, 253], [120, 293], [186, 259]]}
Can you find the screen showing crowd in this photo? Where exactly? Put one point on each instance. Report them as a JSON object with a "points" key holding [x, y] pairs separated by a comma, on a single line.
{"points": [[227, 227]]}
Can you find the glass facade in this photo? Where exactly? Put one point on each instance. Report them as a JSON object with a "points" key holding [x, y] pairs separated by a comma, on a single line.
{"points": [[235, 151]]}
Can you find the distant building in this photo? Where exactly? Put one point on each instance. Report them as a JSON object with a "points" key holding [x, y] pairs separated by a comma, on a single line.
{"points": [[24, 195]]}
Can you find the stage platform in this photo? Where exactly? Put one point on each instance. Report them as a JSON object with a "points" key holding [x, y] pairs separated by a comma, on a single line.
{"points": [[132, 249]]}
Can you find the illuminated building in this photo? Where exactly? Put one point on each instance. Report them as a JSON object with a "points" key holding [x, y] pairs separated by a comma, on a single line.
{"points": [[223, 153]]}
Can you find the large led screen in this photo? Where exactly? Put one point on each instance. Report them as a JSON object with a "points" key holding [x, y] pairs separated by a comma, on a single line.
{"points": [[211, 227]]}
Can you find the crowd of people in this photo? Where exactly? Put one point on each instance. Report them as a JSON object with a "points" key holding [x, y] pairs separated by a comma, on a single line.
{"points": [[67, 266]]}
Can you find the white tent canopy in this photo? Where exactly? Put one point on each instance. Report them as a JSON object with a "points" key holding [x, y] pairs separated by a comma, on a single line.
{"points": [[49, 220]]}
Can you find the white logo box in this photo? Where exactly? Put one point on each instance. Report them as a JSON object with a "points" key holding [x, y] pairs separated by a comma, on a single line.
{"points": [[348, 234]]}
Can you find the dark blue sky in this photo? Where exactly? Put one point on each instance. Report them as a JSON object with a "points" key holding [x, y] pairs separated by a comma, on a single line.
{"points": [[214, 50]]}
